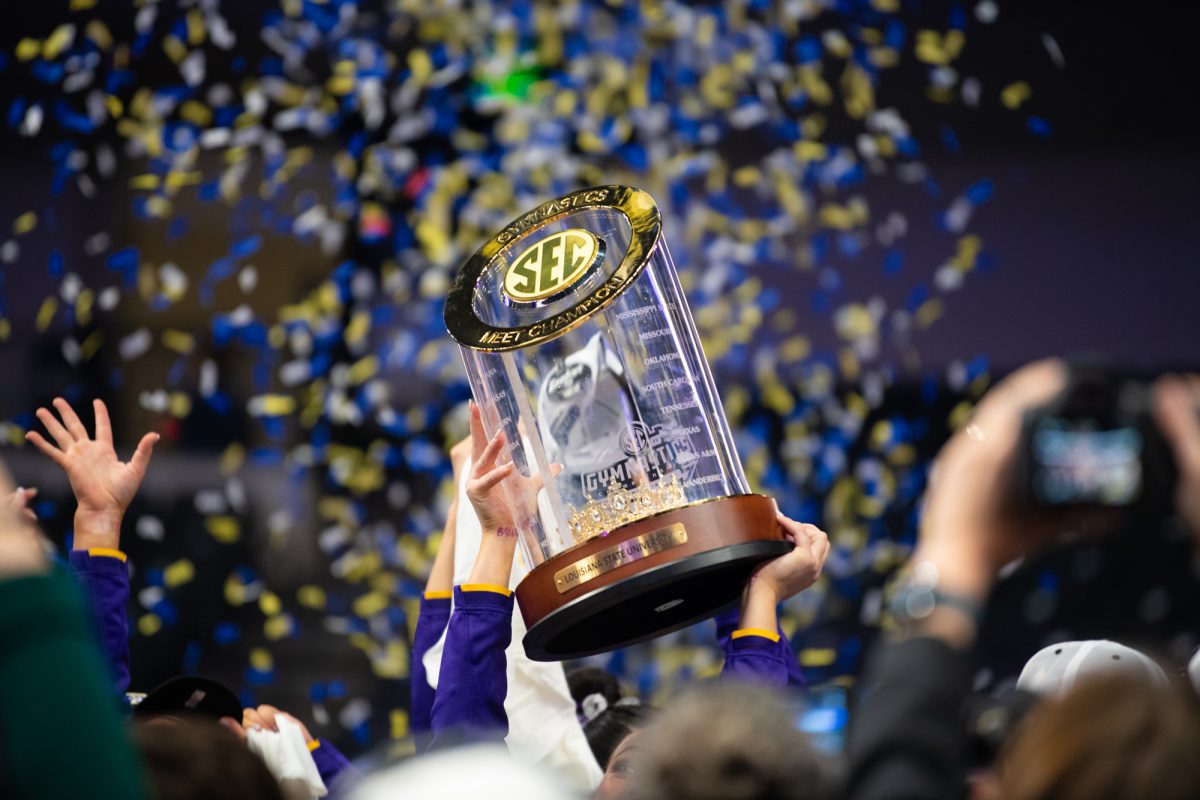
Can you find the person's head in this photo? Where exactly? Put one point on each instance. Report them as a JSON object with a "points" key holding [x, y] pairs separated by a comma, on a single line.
{"points": [[195, 759], [607, 717], [726, 741], [1116, 736]]}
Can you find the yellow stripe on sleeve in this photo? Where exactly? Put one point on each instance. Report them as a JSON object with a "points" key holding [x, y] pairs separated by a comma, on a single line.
{"points": [[486, 587], [106, 552], [439, 595], [763, 632]]}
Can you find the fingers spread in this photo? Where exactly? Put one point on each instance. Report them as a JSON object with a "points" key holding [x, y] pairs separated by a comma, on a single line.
{"points": [[103, 426], [487, 459], [479, 441], [70, 419], [485, 483], [141, 456], [48, 449], [55, 428]]}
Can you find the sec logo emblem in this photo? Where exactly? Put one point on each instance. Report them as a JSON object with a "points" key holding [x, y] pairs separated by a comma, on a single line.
{"points": [[552, 265]]}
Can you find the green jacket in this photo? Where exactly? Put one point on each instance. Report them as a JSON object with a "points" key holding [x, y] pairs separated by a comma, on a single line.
{"points": [[62, 736]]}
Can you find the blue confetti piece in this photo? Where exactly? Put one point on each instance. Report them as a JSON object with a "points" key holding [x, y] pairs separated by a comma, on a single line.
{"points": [[125, 261], [1038, 126], [227, 633], [980, 191], [949, 140]]}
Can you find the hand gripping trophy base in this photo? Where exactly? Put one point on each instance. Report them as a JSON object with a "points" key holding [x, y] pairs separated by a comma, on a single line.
{"points": [[647, 578]]}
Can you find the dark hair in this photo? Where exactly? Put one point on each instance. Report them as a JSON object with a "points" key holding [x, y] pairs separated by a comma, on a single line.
{"points": [[1112, 737], [617, 716], [200, 760], [729, 740]]}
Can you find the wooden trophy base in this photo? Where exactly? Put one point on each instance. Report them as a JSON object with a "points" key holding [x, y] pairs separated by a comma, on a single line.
{"points": [[647, 578]]}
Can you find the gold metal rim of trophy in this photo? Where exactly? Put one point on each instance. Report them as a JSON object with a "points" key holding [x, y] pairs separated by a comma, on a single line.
{"points": [[465, 325]]}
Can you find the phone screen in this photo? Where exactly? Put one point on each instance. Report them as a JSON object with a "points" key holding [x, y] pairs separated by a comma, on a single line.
{"points": [[1079, 462], [824, 719]]}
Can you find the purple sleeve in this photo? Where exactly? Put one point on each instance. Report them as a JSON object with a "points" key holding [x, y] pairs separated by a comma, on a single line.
{"points": [[330, 762], [757, 659], [105, 580], [473, 680], [431, 622], [728, 622]]}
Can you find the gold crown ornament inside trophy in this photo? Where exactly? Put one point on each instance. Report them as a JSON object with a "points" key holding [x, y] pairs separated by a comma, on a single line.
{"points": [[579, 345]]}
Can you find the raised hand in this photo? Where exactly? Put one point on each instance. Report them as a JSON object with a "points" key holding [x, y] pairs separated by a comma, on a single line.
{"points": [[17, 503], [485, 477], [103, 484], [785, 576], [460, 455], [21, 551], [790, 574]]}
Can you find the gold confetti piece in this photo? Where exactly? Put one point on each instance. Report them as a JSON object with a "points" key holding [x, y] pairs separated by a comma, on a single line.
{"points": [[358, 327], [225, 530], [261, 659], [25, 223], [370, 604], [175, 49], [45, 314], [178, 573], [28, 49], [58, 41], [399, 723], [91, 345], [272, 405], [195, 27], [232, 459], [270, 604], [83, 306], [929, 312], [817, 656], [279, 627], [1013, 95], [235, 591], [363, 370], [149, 624], [98, 32], [392, 661], [311, 596], [179, 341], [179, 405], [960, 414]]}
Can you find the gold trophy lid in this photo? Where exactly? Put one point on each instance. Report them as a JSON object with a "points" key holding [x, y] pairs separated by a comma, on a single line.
{"points": [[578, 253]]}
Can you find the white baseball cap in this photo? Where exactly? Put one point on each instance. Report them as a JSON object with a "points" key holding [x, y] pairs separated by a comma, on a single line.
{"points": [[1053, 670]]}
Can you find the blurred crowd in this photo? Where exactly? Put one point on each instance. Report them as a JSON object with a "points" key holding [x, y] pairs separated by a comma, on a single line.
{"points": [[1087, 719]]}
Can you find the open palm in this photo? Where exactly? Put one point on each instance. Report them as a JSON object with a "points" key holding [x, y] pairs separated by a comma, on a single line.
{"points": [[102, 483]]}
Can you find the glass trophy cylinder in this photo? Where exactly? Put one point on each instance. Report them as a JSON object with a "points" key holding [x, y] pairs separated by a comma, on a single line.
{"points": [[630, 502]]}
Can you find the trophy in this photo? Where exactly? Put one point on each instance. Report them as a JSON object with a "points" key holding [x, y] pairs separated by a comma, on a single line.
{"points": [[632, 509]]}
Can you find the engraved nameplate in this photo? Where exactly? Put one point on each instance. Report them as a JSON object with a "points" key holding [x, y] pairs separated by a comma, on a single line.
{"points": [[619, 555]]}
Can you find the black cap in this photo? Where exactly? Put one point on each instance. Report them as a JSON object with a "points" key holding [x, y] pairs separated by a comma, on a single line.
{"points": [[190, 694]]}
